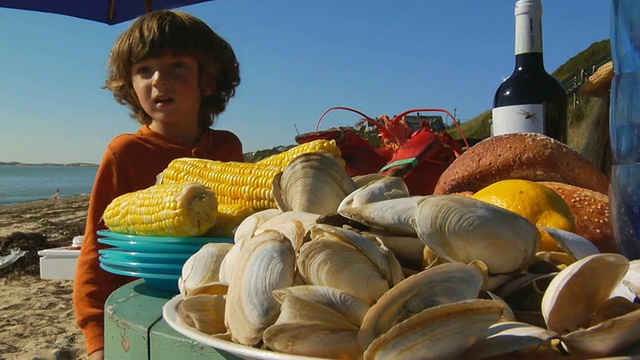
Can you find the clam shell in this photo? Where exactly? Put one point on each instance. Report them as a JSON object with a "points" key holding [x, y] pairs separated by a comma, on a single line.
{"points": [[263, 265], [362, 180], [440, 332], [556, 258], [316, 339], [606, 338], [244, 231], [391, 216], [317, 321], [573, 244], [388, 187], [507, 313], [407, 249], [632, 278], [226, 266], [205, 312], [312, 183], [579, 289], [491, 281], [330, 304], [376, 252], [460, 228], [514, 338], [446, 283], [337, 264], [282, 219], [293, 224], [248, 226], [202, 269]]}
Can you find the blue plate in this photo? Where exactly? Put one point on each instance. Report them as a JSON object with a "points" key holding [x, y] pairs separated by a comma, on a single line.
{"points": [[199, 241], [151, 248], [158, 281], [145, 257], [160, 269]]}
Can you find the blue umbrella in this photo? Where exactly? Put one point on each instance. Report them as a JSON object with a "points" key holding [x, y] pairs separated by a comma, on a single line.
{"points": [[104, 11]]}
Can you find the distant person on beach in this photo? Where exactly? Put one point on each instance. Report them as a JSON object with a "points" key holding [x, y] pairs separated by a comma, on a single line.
{"points": [[56, 194], [176, 75]]}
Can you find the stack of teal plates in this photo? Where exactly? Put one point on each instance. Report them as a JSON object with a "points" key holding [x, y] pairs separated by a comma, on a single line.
{"points": [[157, 260]]}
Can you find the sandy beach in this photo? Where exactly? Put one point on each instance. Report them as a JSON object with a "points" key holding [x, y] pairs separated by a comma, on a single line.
{"points": [[37, 320]]}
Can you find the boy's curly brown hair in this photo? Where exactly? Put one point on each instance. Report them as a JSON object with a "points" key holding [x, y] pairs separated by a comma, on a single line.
{"points": [[178, 33]]}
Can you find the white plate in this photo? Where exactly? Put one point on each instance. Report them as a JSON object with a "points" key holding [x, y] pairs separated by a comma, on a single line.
{"points": [[245, 352]]}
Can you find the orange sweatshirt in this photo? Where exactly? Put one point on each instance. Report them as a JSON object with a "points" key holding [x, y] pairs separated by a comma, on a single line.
{"points": [[131, 163]]}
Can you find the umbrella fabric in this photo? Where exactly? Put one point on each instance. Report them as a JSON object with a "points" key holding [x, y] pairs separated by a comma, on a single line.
{"points": [[105, 11]]}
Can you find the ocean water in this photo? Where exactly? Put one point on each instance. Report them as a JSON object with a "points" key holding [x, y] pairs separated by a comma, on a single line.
{"points": [[20, 184]]}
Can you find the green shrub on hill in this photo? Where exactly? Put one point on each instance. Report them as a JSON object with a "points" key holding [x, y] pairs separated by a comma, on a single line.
{"points": [[584, 59]]}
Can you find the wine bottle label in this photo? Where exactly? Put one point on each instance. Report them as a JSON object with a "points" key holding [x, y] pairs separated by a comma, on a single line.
{"points": [[518, 119]]}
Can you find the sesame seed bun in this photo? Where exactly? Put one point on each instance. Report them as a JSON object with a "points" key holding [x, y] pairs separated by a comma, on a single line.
{"points": [[526, 156], [591, 211]]}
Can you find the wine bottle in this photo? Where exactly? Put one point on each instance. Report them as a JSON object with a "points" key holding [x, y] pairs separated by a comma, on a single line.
{"points": [[530, 100]]}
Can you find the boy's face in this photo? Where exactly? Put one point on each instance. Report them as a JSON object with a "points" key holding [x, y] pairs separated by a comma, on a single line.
{"points": [[167, 88]]}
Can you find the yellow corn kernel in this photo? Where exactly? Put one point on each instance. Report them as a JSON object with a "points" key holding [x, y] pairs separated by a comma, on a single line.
{"points": [[164, 210], [329, 147], [247, 184]]}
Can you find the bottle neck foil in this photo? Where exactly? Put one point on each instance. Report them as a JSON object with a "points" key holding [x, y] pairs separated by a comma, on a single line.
{"points": [[528, 37]]}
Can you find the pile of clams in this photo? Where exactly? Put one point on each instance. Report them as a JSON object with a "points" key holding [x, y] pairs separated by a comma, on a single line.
{"points": [[359, 269]]}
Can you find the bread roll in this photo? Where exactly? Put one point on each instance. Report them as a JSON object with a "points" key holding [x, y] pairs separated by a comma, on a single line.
{"points": [[591, 211], [599, 83], [526, 156]]}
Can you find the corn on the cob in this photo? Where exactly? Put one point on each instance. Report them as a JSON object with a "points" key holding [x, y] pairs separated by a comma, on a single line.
{"points": [[329, 147], [175, 210], [229, 217], [247, 184]]}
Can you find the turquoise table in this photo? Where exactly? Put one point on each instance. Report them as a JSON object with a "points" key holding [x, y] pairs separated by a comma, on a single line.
{"points": [[134, 328]]}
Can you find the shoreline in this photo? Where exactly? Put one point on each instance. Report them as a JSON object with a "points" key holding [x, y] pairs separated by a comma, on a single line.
{"points": [[60, 198], [16, 163]]}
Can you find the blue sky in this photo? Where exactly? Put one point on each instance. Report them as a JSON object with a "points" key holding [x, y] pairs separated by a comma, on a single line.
{"points": [[298, 58]]}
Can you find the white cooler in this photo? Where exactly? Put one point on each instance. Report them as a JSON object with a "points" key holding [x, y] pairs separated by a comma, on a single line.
{"points": [[58, 263]]}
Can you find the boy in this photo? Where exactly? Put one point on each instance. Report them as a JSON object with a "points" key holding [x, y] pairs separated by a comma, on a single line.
{"points": [[176, 75]]}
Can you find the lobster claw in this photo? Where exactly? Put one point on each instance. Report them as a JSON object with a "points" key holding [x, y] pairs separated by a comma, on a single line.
{"points": [[420, 162], [420, 145]]}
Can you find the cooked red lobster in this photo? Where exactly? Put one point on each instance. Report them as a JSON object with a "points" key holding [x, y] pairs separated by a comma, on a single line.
{"points": [[419, 156]]}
